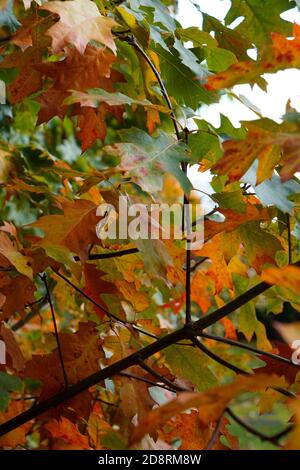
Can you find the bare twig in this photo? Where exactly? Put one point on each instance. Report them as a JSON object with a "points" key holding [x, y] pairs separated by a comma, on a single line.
{"points": [[44, 278], [215, 434], [109, 314], [248, 347], [273, 439], [131, 40], [19, 324], [147, 381], [111, 254], [160, 377], [217, 358]]}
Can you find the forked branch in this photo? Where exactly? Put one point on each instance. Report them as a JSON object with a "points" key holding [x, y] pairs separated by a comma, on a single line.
{"points": [[135, 358]]}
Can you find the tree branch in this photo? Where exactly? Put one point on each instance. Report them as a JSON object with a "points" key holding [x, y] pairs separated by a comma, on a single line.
{"points": [[133, 359]]}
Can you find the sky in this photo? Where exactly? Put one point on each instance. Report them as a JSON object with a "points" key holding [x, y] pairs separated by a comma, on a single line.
{"points": [[282, 86]]}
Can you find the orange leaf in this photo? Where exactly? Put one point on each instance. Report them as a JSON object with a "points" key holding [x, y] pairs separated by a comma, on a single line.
{"points": [[66, 435], [95, 286], [211, 403], [282, 54], [287, 277], [274, 147], [17, 436], [75, 229]]}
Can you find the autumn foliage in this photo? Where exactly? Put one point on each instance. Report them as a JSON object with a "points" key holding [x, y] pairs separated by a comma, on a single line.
{"points": [[139, 343]]}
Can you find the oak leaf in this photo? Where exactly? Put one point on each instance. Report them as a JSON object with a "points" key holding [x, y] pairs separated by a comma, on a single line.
{"points": [[287, 277], [211, 403], [284, 53], [9, 252], [265, 145], [190, 429], [81, 352], [15, 303], [95, 285], [17, 436], [66, 435], [75, 229], [79, 23]]}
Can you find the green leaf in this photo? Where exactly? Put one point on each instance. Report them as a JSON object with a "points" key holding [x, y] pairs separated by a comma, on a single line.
{"points": [[219, 59], [199, 38], [273, 192], [145, 158], [192, 364], [113, 441], [186, 89], [261, 18], [227, 38], [230, 200], [228, 131], [189, 59], [247, 320], [204, 143], [160, 13], [10, 382], [4, 399]]}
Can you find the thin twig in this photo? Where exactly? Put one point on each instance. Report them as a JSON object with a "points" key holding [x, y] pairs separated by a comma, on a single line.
{"points": [[187, 222], [238, 344], [255, 432], [217, 358], [44, 278], [109, 314], [131, 40], [234, 368], [111, 254], [215, 434], [147, 381], [29, 315], [160, 377]]}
